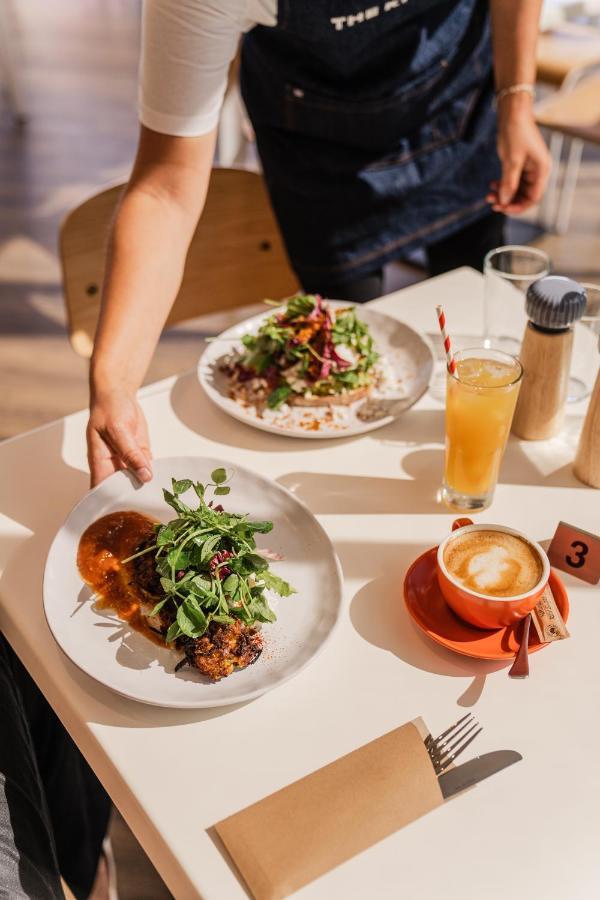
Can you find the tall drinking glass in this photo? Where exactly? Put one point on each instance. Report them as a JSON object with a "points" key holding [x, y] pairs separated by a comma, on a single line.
{"points": [[508, 273], [480, 401], [580, 383]]}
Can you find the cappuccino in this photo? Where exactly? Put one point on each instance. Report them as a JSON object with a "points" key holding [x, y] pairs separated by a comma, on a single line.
{"points": [[493, 562]]}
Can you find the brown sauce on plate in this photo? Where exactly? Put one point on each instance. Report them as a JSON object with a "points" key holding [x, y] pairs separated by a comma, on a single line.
{"points": [[102, 548]]}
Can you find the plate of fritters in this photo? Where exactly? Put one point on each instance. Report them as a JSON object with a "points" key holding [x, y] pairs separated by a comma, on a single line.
{"points": [[205, 587], [315, 368]]}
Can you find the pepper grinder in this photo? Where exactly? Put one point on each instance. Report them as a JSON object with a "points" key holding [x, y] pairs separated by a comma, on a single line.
{"points": [[553, 305], [587, 460]]}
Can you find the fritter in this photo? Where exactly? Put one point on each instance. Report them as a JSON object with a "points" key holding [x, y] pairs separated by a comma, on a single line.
{"points": [[222, 649]]}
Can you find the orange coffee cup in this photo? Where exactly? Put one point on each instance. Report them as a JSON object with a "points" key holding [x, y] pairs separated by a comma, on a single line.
{"points": [[485, 610]]}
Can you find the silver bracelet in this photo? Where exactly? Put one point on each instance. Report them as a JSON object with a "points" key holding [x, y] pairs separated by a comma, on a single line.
{"points": [[515, 89]]}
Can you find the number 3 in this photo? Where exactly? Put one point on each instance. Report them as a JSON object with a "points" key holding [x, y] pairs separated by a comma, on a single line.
{"points": [[582, 551]]}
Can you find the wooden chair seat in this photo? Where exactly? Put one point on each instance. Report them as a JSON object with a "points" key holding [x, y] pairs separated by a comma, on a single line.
{"points": [[572, 115], [236, 256], [575, 112], [563, 50]]}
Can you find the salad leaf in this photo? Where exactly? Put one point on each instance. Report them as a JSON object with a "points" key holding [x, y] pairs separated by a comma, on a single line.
{"points": [[202, 589], [159, 606], [208, 548], [301, 305], [167, 585], [295, 351], [165, 535], [180, 487], [277, 584], [190, 618], [277, 397]]}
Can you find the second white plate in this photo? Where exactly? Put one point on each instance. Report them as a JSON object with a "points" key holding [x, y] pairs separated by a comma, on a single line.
{"points": [[408, 355]]}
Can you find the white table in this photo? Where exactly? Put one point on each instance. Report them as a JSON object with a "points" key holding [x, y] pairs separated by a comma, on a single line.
{"points": [[531, 831]]}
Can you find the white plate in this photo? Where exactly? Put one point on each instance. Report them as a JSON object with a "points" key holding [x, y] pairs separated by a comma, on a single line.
{"points": [[408, 354], [106, 648]]}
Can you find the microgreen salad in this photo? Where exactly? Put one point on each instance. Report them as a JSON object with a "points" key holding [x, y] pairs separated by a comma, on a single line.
{"points": [[209, 567], [307, 350]]}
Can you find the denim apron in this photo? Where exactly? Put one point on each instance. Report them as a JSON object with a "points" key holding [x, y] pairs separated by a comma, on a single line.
{"points": [[375, 126]]}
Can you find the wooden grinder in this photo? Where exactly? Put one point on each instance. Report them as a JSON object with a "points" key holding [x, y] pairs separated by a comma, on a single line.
{"points": [[587, 461], [553, 305]]}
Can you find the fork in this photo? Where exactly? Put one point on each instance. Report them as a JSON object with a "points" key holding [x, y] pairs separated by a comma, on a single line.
{"points": [[448, 745]]}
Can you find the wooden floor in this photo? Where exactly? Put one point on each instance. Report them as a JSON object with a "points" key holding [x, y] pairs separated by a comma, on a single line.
{"points": [[78, 73]]}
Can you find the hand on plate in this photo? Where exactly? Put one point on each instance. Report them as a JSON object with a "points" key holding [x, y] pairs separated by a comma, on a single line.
{"points": [[524, 157], [117, 437]]}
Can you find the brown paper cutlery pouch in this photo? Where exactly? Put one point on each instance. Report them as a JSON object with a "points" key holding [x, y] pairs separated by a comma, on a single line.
{"points": [[298, 833]]}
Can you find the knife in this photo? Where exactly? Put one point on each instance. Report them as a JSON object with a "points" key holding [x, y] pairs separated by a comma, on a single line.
{"points": [[469, 773]]}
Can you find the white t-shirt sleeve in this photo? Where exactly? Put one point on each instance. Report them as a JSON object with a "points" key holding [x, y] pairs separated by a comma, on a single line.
{"points": [[187, 46]]}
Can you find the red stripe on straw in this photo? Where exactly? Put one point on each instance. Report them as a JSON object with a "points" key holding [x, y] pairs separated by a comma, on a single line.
{"points": [[446, 340]]}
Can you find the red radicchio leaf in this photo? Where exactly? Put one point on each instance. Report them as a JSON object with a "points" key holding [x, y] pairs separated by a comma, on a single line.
{"points": [[329, 351], [327, 347], [318, 310], [325, 365], [271, 375], [244, 374]]}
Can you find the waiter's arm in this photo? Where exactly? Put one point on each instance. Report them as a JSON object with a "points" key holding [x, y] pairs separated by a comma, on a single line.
{"points": [[523, 153], [150, 237]]}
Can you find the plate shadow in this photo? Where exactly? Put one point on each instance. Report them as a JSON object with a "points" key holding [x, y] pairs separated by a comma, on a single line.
{"points": [[517, 467], [379, 615], [359, 494], [193, 408]]}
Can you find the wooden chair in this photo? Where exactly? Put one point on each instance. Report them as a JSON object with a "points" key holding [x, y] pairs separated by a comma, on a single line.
{"points": [[236, 256], [571, 115], [10, 62], [566, 50], [565, 55]]}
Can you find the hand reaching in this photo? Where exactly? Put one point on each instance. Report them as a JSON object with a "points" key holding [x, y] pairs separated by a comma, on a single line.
{"points": [[117, 437], [524, 157]]}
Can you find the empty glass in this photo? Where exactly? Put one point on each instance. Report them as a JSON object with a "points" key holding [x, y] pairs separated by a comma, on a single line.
{"points": [[508, 273], [585, 361]]}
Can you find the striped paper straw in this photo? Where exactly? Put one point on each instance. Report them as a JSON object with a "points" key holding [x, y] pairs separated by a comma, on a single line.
{"points": [[446, 340]]}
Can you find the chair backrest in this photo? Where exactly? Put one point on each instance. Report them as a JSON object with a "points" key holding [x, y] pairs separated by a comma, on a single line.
{"points": [[236, 256], [575, 112], [566, 51]]}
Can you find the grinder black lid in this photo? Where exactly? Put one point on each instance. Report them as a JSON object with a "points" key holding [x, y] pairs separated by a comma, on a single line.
{"points": [[555, 302]]}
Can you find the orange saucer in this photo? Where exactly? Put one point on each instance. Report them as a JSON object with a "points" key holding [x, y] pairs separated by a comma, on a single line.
{"points": [[430, 611]]}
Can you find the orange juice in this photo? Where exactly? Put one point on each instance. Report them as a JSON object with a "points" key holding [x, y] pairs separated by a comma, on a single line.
{"points": [[480, 402]]}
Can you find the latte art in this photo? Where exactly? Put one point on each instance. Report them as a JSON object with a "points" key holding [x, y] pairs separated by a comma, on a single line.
{"points": [[493, 562]]}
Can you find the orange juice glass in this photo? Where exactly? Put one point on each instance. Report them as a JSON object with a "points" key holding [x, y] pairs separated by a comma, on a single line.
{"points": [[480, 402]]}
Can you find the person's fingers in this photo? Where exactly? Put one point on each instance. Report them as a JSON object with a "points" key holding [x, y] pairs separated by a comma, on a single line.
{"points": [[531, 189], [144, 438], [513, 208], [535, 181], [492, 195], [512, 167], [101, 460], [125, 444]]}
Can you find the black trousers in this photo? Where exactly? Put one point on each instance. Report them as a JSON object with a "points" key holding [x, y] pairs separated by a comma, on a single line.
{"points": [[53, 811], [466, 247]]}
